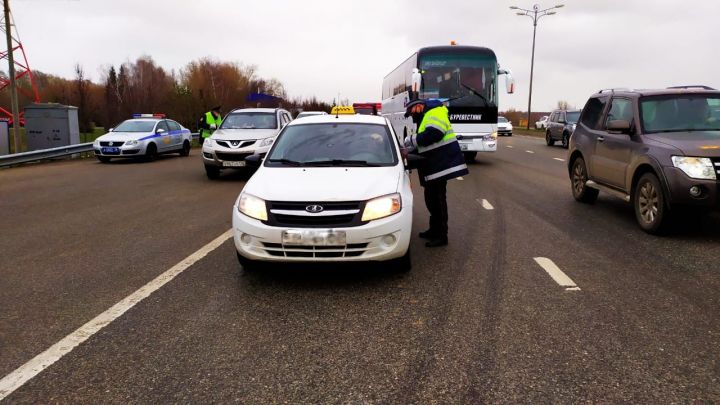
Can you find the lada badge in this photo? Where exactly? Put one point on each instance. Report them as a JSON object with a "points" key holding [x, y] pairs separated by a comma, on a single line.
{"points": [[314, 208]]}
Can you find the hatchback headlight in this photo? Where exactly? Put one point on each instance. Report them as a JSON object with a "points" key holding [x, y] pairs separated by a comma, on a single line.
{"points": [[382, 207], [252, 206], [267, 142], [131, 143], [695, 167]]}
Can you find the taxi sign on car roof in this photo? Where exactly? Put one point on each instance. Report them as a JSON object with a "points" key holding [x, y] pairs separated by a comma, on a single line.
{"points": [[342, 109]]}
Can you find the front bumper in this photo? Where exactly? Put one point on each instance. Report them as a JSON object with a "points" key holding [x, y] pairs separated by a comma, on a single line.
{"points": [[364, 243], [679, 185], [226, 157], [477, 142], [122, 151]]}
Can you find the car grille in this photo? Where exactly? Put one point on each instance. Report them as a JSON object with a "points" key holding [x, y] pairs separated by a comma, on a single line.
{"points": [[113, 143], [350, 250], [334, 214], [131, 152], [236, 144], [232, 157]]}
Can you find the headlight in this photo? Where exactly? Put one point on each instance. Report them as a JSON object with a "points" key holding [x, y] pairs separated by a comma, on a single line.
{"points": [[208, 142], [96, 143], [382, 207], [267, 142], [131, 143], [695, 167], [252, 206]]}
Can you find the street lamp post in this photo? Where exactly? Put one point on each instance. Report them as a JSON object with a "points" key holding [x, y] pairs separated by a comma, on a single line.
{"points": [[535, 14]]}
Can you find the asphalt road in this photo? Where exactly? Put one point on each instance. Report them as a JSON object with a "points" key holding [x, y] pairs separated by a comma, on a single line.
{"points": [[479, 321]]}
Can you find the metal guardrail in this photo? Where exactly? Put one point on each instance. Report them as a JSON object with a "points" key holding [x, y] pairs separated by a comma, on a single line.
{"points": [[52, 153]]}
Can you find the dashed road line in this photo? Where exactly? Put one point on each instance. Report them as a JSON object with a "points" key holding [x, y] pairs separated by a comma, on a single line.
{"points": [[554, 271], [509, 146], [529, 151], [35, 366], [560, 160], [460, 178], [486, 204]]}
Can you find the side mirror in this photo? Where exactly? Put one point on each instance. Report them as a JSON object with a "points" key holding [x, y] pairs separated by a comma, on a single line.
{"points": [[160, 131], [254, 160], [415, 81], [413, 161], [619, 126], [509, 80], [110, 130]]}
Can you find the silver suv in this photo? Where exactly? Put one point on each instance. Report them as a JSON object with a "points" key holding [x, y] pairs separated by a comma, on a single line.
{"points": [[560, 126], [243, 132]]}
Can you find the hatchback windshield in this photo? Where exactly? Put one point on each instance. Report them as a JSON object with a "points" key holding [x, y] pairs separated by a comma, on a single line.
{"points": [[249, 120], [572, 117], [135, 126], [502, 120], [680, 113], [333, 145]]}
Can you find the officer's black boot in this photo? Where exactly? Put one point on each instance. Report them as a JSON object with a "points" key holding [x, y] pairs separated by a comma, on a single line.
{"points": [[429, 234]]}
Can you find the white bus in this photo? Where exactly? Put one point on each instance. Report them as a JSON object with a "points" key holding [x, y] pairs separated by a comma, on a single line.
{"points": [[464, 77]]}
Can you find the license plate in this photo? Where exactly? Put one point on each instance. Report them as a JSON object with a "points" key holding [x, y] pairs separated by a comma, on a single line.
{"points": [[110, 150], [234, 164], [463, 146], [307, 237]]}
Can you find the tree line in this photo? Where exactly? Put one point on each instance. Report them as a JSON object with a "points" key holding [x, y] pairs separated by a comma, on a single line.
{"points": [[144, 87]]}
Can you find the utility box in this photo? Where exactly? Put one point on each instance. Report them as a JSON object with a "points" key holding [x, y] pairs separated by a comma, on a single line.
{"points": [[4, 137], [51, 125]]}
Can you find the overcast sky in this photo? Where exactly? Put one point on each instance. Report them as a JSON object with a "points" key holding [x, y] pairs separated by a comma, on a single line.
{"points": [[322, 48]]}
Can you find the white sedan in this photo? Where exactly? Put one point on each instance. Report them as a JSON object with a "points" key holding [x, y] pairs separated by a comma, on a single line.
{"points": [[330, 190], [145, 135]]}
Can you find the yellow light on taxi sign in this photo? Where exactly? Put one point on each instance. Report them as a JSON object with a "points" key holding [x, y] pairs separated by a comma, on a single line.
{"points": [[342, 109]]}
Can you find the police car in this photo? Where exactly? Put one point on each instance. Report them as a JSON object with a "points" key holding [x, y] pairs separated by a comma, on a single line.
{"points": [[333, 188], [145, 135], [242, 133]]}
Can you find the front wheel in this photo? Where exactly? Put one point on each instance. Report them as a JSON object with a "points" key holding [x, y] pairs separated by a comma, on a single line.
{"points": [[401, 264], [578, 177], [548, 139], [249, 266], [185, 151], [651, 210], [151, 152], [104, 159], [212, 172], [470, 156]]}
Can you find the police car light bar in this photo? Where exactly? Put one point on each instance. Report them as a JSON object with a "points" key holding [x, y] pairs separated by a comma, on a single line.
{"points": [[156, 115]]}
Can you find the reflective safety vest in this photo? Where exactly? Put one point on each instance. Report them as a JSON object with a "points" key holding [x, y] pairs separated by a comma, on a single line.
{"points": [[443, 159], [209, 120]]}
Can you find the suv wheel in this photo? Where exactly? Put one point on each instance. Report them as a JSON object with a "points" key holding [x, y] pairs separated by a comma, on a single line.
{"points": [[212, 172], [566, 140], [651, 210], [548, 139], [578, 176]]}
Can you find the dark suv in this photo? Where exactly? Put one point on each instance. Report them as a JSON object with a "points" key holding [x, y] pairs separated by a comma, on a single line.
{"points": [[560, 126], [659, 149]]}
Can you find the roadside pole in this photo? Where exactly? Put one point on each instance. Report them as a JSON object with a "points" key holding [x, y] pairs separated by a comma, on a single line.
{"points": [[11, 73]]}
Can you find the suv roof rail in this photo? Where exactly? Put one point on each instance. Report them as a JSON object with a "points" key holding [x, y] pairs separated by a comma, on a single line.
{"points": [[692, 86], [613, 90]]}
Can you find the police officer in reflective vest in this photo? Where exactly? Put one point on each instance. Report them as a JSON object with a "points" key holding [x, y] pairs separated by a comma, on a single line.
{"points": [[436, 142], [209, 123]]}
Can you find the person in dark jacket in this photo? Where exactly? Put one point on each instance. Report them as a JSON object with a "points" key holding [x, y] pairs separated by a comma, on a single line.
{"points": [[435, 140]]}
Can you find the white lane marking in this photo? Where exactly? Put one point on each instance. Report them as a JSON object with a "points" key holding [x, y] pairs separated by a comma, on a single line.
{"points": [[509, 146], [460, 178], [554, 271], [485, 204], [35, 366], [560, 160], [529, 151]]}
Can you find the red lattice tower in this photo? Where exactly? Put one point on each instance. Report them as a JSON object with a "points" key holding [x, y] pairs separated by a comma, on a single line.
{"points": [[22, 69]]}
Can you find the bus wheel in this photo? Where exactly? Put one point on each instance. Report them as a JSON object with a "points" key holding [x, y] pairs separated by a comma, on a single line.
{"points": [[470, 156]]}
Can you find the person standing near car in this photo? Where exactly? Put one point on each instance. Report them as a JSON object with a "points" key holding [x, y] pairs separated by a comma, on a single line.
{"points": [[435, 140], [209, 122]]}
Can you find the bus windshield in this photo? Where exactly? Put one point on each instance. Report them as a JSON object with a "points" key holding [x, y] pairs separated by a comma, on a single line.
{"points": [[463, 79]]}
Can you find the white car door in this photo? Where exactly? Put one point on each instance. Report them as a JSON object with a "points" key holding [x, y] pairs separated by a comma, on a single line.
{"points": [[164, 139]]}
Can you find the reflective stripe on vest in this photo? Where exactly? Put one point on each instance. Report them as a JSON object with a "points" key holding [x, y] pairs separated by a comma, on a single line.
{"points": [[437, 118], [446, 172], [209, 120]]}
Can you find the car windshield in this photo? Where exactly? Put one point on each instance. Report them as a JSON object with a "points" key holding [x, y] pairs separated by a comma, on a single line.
{"points": [[680, 113], [502, 120], [249, 120], [135, 126], [464, 79], [572, 117], [332, 144]]}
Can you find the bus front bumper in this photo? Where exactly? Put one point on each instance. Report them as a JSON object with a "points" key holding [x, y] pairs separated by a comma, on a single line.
{"points": [[477, 142]]}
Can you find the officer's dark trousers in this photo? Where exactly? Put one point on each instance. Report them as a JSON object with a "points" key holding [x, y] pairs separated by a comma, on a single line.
{"points": [[436, 203]]}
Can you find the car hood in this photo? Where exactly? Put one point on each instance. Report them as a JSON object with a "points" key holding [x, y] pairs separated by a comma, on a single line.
{"points": [[243, 134], [700, 143], [123, 136], [319, 184]]}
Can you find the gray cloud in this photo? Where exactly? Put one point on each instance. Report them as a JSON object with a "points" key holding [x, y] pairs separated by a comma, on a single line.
{"points": [[323, 47]]}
